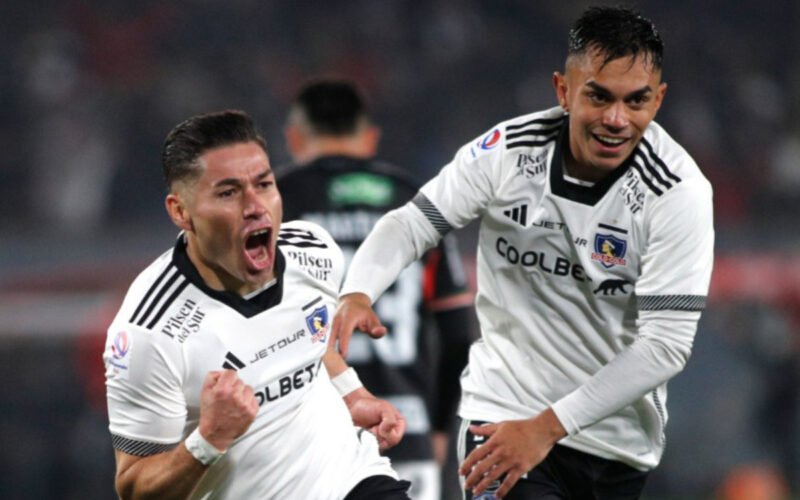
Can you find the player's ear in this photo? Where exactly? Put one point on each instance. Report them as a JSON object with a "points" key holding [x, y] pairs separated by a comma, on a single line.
{"points": [[295, 142], [560, 86], [176, 208], [659, 98], [371, 137]]}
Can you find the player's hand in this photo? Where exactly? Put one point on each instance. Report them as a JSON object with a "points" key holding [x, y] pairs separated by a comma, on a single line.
{"points": [[354, 312], [513, 448], [227, 408], [377, 415]]}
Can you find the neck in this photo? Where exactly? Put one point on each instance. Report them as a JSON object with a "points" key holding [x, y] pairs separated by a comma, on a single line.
{"points": [[333, 146], [217, 278]]}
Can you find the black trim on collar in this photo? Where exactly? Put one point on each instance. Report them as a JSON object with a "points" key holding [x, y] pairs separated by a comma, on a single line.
{"points": [[587, 195], [268, 298]]}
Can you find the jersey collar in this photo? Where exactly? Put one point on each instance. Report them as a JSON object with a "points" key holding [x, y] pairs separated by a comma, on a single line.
{"points": [[587, 195], [248, 308]]}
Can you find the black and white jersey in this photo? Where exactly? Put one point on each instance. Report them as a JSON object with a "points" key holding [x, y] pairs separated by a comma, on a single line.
{"points": [[172, 329], [588, 294], [346, 196]]}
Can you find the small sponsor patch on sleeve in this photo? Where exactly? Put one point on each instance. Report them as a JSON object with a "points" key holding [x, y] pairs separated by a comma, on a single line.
{"points": [[485, 143], [119, 359]]}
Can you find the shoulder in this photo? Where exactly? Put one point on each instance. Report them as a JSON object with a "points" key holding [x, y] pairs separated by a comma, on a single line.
{"points": [[669, 167], [310, 247], [305, 234], [526, 131], [160, 275]]}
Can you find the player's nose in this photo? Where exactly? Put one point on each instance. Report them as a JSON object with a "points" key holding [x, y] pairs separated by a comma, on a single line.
{"points": [[615, 117], [253, 205]]}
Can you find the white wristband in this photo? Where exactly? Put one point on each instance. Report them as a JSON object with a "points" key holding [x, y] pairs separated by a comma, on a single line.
{"points": [[202, 450], [346, 382]]}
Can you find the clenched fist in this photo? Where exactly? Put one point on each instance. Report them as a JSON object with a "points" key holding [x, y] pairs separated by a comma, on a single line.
{"points": [[227, 408]]}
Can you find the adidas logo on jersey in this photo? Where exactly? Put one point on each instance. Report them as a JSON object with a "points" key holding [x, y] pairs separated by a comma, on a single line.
{"points": [[518, 214], [232, 362]]}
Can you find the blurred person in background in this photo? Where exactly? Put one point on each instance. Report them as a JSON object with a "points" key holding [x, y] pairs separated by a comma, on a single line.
{"points": [[336, 182], [594, 261], [215, 384]]}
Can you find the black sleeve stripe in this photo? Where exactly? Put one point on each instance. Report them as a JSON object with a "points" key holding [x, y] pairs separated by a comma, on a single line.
{"points": [[646, 179], [659, 161], [297, 233], [290, 236], [671, 302], [432, 213], [167, 303], [149, 293], [531, 144], [301, 244], [139, 448], [158, 297], [650, 168], [538, 121], [536, 132]]}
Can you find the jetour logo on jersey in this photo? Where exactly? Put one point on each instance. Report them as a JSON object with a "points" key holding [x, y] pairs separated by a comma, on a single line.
{"points": [[317, 323], [609, 250]]}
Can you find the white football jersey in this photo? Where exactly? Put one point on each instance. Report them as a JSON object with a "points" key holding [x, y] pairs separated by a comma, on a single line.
{"points": [[172, 329], [588, 294]]}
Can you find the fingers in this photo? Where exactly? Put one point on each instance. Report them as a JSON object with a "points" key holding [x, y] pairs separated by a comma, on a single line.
{"points": [[473, 458], [476, 465], [377, 331], [483, 430], [391, 429], [336, 326], [211, 379], [510, 480], [341, 331]]}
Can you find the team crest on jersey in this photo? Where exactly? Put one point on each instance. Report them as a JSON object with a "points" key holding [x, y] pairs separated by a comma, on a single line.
{"points": [[609, 250], [317, 323], [120, 355]]}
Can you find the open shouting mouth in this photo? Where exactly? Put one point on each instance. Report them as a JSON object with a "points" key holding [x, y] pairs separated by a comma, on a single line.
{"points": [[257, 248]]}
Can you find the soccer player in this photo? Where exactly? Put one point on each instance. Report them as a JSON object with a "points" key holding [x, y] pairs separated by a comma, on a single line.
{"points": [[336, 182], [214, 364], [594, 259]]}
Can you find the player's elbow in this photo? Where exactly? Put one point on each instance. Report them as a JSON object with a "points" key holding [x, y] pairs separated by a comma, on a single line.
{"points": [[671, 356]]}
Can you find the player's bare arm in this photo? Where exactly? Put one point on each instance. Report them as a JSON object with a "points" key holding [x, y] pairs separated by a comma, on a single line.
{"points": [[354, 312], [227, 408], [513, 448], [367, 411]]}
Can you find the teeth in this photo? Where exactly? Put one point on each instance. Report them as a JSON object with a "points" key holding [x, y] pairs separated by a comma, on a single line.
{"points": [[611, 140], [259, 232]]}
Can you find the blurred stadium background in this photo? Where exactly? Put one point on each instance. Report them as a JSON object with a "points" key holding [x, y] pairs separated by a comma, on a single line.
{"points": [[88, 90]]}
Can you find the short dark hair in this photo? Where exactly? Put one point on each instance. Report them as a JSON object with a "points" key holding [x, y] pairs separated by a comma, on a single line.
{"points": [[616, 32], [188, 140], [331, 106]]}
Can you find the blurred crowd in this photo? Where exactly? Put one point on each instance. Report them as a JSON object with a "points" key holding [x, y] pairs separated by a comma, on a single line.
{"points": [[88, 90]]}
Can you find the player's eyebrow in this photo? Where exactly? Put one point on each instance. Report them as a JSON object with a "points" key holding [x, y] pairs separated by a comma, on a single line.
{"points": [[233, 181], [630, 95]]}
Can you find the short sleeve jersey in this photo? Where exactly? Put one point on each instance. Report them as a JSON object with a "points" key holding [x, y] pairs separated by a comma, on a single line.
{"points": [[346, 196], [172, 329], [564, 268]]}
